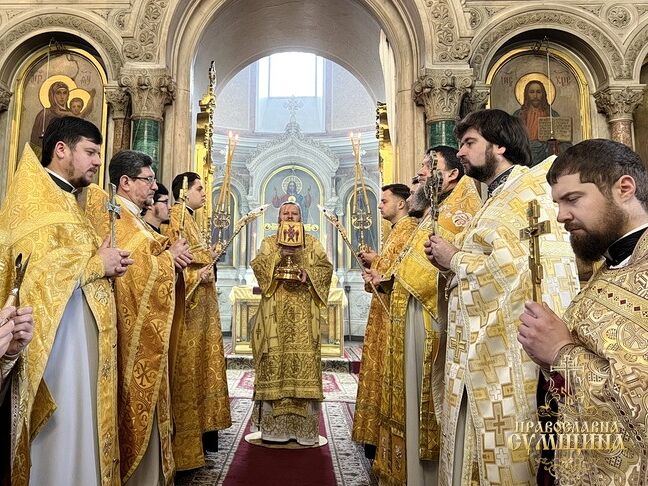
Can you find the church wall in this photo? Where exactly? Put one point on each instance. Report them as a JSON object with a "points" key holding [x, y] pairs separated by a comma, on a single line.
{"points": [[351, 105], [150, 39], [237, 113]]}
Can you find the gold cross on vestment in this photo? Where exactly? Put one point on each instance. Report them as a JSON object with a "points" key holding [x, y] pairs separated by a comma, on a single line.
{"points": [[532, 233], [114, 211], [458, 344], [568, 371]]}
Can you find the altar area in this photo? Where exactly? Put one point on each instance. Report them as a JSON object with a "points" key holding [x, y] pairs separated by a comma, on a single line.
{"points": [[245, 303]]}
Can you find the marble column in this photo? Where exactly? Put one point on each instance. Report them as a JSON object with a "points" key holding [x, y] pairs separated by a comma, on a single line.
{"points": [[118, 99], [150, 90], [440, 92], [618, 104]]}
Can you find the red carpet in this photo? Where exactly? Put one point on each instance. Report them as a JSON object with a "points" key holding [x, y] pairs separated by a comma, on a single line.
{"points": [[256, 465]]}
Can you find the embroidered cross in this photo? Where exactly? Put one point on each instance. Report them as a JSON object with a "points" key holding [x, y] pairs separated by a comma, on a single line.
{"points": [[458, 344]]}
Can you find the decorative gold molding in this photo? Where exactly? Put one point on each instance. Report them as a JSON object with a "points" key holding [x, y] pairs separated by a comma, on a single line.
{"points": [[150, 89], [440, 91]]}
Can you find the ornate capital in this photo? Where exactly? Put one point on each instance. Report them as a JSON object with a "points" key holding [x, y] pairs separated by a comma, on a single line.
{"points": [[440, 92], [5, 97], [117, 98], [619, 102], [150, 89], [477, 98]]}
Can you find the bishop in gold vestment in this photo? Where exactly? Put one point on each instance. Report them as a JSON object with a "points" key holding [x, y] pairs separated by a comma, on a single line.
{"points": [[46, 224], [485, 368], [286, 340], [408, 422], [199, 398]]}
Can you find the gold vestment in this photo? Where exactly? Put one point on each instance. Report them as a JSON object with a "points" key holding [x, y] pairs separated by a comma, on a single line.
{"points": [[415, 277], [365, 418], [47, 225], [286, 333], [483, 358], [145, 299], [199, 398], [609, 377]]}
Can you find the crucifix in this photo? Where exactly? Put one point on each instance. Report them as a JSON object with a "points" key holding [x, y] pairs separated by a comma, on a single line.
{"points": [[114, 211], [532, 233], [569, 371]]}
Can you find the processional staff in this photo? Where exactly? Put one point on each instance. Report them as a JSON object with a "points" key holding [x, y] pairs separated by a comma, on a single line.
{"points": [[345, 237], [240, 224], [183, 197], [222, 218], [114, 213], [532, 233], [208, 105], [360, 213]]}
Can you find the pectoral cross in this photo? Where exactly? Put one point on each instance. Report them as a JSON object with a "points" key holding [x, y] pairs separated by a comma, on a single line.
{"points": [[114, 211], [532, 233]]}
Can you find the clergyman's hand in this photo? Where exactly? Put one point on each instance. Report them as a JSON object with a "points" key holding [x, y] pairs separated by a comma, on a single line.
{"points": [[303, 276], [206, 274], [6, 328], [439, 252], [542, 333], [371, 276], [115, 261], [181, 255], [23, 330], [367, 257]]}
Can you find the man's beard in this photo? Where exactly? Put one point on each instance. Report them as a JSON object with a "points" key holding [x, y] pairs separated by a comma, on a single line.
{"points": [[419, 202], [590, 244], [487, 171]]}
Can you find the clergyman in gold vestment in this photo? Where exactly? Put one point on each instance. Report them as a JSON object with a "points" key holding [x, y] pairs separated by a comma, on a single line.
{"points": [[145, 301], [393, 208], [600, 346], [408, 445], [286, 338], [490, 382], [199, 398], [65, 401]]}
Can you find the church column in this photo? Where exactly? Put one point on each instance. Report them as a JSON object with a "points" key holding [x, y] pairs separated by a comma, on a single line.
{"points": [[150, 90], [440, 91], [117, 98], [618, 104], [5, 97], [476, 99]]}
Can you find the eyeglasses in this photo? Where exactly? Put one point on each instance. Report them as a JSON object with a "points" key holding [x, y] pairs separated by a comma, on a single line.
{"points": [[150, 180], [163, 201]]}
